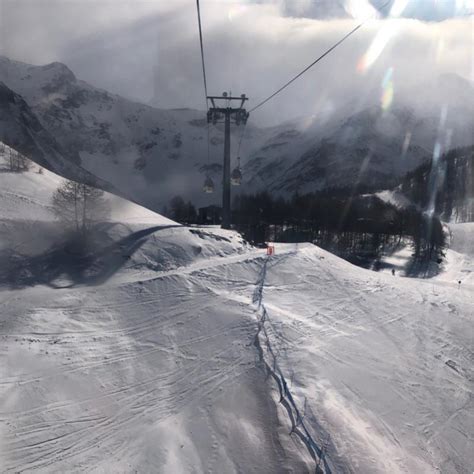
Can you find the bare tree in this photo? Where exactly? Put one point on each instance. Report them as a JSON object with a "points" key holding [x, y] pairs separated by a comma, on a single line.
{"points": [[11, 156], [3, 153], [79, 205], [15, 161], [23, 163]]}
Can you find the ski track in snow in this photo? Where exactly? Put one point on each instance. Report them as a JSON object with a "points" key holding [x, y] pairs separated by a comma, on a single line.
{"points": [[239, 363], [44, 438]]}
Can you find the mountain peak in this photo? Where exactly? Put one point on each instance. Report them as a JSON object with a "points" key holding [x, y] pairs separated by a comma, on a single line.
{"points": [[59, 70], [53, 76]]}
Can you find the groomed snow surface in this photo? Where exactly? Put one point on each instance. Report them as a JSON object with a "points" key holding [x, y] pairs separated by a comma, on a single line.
{"points": [[184, 350]]}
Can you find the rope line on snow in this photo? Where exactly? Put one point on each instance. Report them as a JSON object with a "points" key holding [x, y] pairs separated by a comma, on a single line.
{"points": [[298, 426]]}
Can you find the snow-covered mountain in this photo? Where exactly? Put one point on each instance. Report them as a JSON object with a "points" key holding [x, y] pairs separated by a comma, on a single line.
{"points": [[146, 153], [370, 146], [21, 130], [365, 148], [151, 155]]}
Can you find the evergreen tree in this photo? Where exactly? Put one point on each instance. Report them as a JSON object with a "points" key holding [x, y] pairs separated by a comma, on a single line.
{"points": [[181, 211]]}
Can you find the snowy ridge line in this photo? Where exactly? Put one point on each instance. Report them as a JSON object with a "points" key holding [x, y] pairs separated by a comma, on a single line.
{"points": [[286, 398]]}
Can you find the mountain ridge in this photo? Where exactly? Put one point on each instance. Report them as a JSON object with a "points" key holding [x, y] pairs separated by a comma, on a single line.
{"points": [[151, 154]]}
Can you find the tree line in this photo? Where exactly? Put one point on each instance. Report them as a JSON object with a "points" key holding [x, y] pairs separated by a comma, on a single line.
{"points": [[445, 187], [344, 224], [181, 211], [15, 162]]}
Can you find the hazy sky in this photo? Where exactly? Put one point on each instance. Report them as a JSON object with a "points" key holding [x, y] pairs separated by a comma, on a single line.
{"points": [[149, 50]]}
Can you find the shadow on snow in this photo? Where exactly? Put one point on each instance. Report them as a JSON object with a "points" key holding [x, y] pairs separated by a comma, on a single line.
{"points": [[73, 261]]}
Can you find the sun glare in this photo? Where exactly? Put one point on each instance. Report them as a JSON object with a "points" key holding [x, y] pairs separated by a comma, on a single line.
{"points": [[360, 9], [382, 38], [398, 8]]}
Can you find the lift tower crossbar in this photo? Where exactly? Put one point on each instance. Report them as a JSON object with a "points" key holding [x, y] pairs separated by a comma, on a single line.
{"points": [[224, 114]]}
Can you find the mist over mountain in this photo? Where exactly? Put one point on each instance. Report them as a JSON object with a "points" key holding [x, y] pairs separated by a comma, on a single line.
{"points": [[365, 143], [153, 154], [252, 47]]}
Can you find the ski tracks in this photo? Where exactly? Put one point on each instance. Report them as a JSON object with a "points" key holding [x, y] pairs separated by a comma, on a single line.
{"points": [[268, 358], [162, 370]]}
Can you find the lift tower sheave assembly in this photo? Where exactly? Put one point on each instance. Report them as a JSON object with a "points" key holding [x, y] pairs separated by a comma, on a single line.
{"points": [[215, 115]]}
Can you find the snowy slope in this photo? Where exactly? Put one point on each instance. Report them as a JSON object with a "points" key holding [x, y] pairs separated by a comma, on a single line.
{"points": [[132, 239], [27, 196], [202, 355], [460, 261], [380, 368]]}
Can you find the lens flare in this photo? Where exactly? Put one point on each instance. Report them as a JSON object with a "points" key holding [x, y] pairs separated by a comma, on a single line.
{"points": [[436, 153], [384, 35], [435, 178], [406, 143], [449, 138], [440, 49], [442, 118], [360, 9], [398, 8], [437, 173], [388, 90]]}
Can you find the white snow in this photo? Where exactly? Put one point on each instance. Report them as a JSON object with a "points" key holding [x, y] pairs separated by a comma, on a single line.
{"points": [[460, 261], [394, 197], [27, 196], [385, 363], [153, 360]]}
